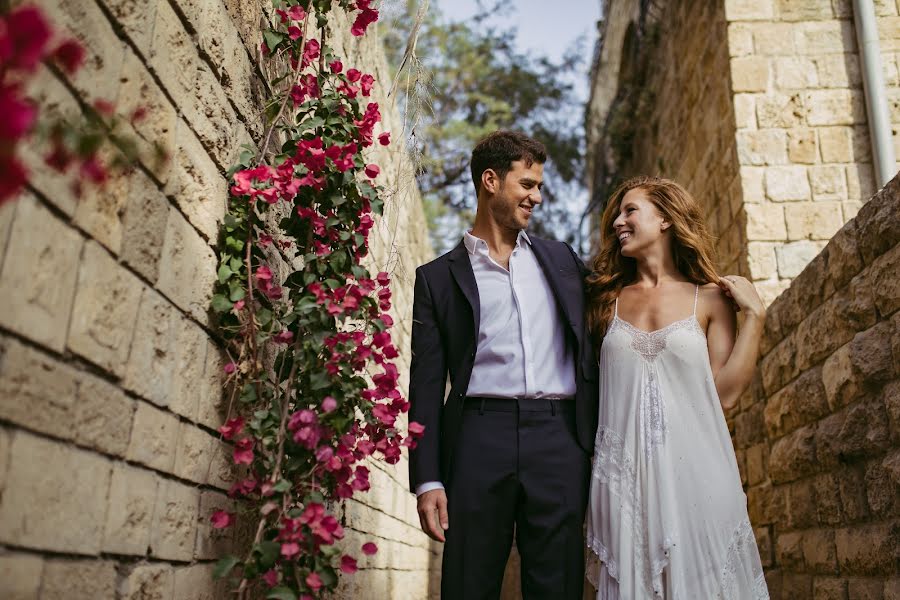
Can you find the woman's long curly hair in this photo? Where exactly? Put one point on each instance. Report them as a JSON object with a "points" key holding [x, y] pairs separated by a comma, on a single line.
{"points": [[692, 247]]}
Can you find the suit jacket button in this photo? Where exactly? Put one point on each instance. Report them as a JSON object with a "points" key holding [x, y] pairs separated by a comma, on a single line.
{"points": [[472, 355]]}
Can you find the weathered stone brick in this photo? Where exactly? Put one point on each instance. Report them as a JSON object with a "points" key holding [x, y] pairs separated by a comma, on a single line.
{"points": [[149, 582], [740, 39], [221, 467], [175, 517], [786, 184], [762, 147], [777, 368], [828, 509], [801, 504], [151, 365], [883, 486], [192, 85], [836, 144], [750, 74], [39, 273], [761, 260], [20, 576], [800, 402], [879, 222], [212, 401], [812, 220], [100, 208], [189, 364], [105, 309], [153, 438], [193, 455], [865, 589], [40, 481], [802, 147], [132, 498], [860, 181], [104, 50], [144, 226], [828, 183], [834, 107], [891, 396], [796, 585], [749, 427], [892, 589], [155, 131], [68, 579], [819, 554], [214, 543], [857, 432], [793, 456], [101, 417], [804, 10], [843, 383], [793, 257], [196, 184], [765, 222], [745, 111], [823, 37], [756, 464], [196, 583], [135, 19], [748, 10], [187, 268], [781, 110], [885, 281], [829, 588], [772, 38], [868, 549]]}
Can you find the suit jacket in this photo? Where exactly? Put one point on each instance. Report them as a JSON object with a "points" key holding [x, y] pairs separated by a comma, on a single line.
{"points": [[444, 337]]}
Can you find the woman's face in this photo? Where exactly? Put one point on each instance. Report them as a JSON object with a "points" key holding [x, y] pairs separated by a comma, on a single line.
{"points": [[639, 225]]}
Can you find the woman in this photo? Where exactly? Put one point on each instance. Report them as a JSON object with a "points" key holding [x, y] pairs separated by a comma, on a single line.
{"points": [[668, 516]]}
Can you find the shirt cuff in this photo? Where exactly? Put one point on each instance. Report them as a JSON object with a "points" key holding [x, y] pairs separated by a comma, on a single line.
{"points": [[428, 486]]}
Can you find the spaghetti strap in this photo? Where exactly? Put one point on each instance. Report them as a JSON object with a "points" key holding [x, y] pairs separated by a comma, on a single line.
{"points": [[696, 294], [616, 313]]}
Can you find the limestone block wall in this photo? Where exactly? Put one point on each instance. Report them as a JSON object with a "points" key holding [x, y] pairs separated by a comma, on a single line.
{"points": [[817, 436], [110, 372], [802, 135]]}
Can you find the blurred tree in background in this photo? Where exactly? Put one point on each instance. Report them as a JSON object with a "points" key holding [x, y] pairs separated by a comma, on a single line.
{"points": [[470, 79]]}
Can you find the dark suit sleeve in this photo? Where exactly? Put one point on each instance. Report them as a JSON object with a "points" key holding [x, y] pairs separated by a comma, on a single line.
{"points": [[427, 380], [580, 263]]}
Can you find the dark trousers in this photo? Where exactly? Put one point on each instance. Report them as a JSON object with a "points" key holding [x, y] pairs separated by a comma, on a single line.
{"points": [[517, 467]]}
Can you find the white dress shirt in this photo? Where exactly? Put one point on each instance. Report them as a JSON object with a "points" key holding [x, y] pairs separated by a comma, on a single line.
{"points": [[521, 350]]}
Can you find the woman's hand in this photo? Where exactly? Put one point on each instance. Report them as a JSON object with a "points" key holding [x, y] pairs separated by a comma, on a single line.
{"points": [[743, 294]]}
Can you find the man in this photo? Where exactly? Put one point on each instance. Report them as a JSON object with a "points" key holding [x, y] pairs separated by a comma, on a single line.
{"points": [[509, 450]]}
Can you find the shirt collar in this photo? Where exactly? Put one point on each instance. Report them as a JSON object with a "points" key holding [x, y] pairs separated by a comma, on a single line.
{"points": [[474, 244]]}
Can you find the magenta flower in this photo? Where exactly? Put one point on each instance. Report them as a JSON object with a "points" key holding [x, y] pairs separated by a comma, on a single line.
{"points": [[290, 550], [328, 404], [271, 577], [369, 548], [232, 427], [70, 56], [348, 564], [385, 138], [229, 368], [243, 451], [221, 519], [372, 170]]}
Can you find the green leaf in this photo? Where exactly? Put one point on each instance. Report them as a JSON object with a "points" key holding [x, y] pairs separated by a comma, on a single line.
{"points": [[282, 593], [224, 273], [230, 222], [283, 485], [333, 283], [235, 264], [273, 39], [328, 576], [221, 304], [248, 393], [236, 291], [268, 553], [319, 380], [265, 316], [311, 123], [224, 566], [359, 272]]}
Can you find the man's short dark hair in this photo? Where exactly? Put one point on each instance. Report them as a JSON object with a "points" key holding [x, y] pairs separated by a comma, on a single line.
{"points": [[498, 151]]}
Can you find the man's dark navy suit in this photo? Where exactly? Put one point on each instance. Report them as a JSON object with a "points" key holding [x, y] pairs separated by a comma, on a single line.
{"points": [[445, 327]]}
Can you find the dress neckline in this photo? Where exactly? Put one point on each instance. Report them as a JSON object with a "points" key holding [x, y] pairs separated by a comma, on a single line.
{"points": [[628, 325]]}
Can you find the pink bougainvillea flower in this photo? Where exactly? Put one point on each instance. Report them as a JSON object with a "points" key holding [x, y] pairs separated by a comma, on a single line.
{"points": [[385, 138], [311, 50], [70, 56], [229, 368], [348, 564], [366, 17], [284, 337], [372, 170], [366, 83], [18, 114], [94, 171], [271, 577], [297, 13], [387, 320], [221, 519], [12, 177], [336, 66], [104, 107], [28, 33], [263, 272], [328, 404], [314, 581], [416, 429], [290, 550], [232, 427], [294, 32], [138, 115], [369, 548], [383, 278], [243, 451], [353, 75]]}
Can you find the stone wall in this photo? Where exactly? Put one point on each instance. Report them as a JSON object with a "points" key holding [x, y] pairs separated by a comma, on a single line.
{"points": [[803, 141], [110, 373], [817, 436], [658, 108]]}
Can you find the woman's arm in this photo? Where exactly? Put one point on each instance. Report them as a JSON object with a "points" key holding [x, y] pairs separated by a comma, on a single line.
{"points": [[734, 360]]}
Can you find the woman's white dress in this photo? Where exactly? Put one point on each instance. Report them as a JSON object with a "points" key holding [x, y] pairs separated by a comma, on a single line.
{"points": [[667, 516]]}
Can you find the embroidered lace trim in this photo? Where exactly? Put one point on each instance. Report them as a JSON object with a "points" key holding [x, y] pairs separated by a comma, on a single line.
{"points": [[742, 543]]}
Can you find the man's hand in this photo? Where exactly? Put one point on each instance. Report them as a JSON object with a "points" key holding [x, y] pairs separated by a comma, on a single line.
{"points": [[432, 507]]}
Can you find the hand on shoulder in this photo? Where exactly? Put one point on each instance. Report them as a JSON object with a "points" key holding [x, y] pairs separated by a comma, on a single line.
{"points": [[743, 295]]}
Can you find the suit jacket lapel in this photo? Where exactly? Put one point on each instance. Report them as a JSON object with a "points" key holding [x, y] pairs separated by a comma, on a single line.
{"points": [[551, 272], [461, 269]]}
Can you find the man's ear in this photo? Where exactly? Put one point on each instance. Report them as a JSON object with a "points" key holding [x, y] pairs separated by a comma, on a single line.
{"points": [[490, 183]]}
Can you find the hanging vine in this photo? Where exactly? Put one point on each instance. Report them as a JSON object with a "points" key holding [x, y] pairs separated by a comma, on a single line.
{"points": [[312, 386]]}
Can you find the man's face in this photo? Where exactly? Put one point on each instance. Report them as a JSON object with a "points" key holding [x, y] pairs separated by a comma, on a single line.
{"points": [[519, 192]]}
